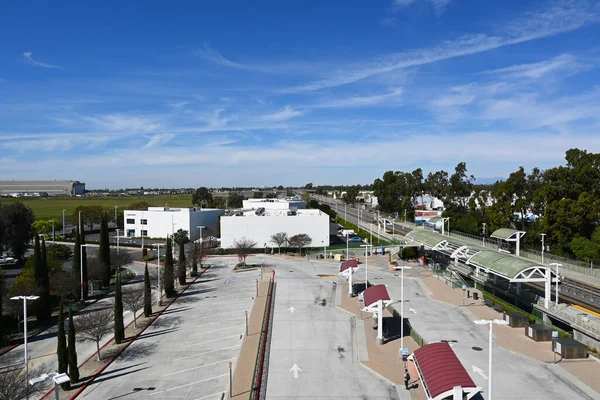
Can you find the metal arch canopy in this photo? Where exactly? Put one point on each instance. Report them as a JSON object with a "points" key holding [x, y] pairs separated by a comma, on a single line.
{"points": [[433, 220], [373, 294], [508, 234], [509, 267], [426, 238]]}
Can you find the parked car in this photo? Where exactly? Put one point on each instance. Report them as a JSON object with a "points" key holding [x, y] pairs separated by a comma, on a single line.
{"points": [[356, 239]]}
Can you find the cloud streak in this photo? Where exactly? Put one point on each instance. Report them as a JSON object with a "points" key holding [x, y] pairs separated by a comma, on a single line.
{"points": [[28, 56], [562, 16]]}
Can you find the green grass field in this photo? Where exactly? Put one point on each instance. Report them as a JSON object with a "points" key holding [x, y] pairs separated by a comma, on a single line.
{"points": [[45, 208]]}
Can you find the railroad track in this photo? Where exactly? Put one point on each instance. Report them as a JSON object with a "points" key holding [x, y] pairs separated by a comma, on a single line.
{"points": [[576, 292]]}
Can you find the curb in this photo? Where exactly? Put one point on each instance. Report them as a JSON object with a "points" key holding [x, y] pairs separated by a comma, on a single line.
{"points": [[107, 364]]}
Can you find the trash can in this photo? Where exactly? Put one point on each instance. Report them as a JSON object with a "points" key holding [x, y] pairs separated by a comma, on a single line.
{"points": [[475, 296]]}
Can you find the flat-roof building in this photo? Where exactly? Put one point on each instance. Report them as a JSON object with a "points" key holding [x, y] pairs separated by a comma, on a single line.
{"points": [[51, 188], [158, 222], [260, 224], [274, 204]]}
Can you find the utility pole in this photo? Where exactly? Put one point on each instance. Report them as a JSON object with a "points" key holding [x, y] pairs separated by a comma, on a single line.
{"points": [[483, 233], [543, 236]]}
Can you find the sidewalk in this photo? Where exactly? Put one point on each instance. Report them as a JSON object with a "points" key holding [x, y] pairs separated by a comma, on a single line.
{"points": [[383, 359], [247, 360], [514, 339]]}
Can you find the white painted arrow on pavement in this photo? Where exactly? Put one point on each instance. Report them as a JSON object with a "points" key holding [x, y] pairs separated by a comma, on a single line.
{"points": [[479, 371], [292, 309], [412, 310], [295, 370]]}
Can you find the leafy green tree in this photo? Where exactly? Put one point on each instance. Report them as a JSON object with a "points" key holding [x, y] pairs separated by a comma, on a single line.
{"points": [[42, 226], [235, 200], [2, 293], [72, 350], [181, 267], [61, 347], [118, 312], [351, 195], [76, 265], [90, 215], [16, 220], [37, 257], [147, 293], [104, 250], [168, 270], [202, 197]]}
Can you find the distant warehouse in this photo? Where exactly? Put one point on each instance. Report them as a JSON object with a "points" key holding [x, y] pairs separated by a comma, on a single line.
{"points": [[41, 188]]}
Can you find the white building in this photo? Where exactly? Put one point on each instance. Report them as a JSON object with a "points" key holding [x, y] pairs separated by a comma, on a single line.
{"points": [[273, 204], [158, 222], [260, 226]]}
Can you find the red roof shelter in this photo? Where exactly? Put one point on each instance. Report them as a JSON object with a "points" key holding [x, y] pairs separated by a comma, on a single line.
{"points": [[442, 374], [346, 265], [373, 294]]}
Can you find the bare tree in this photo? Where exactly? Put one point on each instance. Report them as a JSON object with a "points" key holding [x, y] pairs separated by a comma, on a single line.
{"points": [[279, 239], [133, 300], [95, 271], [300, 241], [14, 385], [244, 247], [93, 326], [123, 257]]}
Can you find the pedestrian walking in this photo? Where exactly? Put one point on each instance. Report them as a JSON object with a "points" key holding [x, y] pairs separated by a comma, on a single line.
{"points": [[406, 378]]}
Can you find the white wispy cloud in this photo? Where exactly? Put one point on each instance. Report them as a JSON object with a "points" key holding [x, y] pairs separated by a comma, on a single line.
{"points": [[179, 104], [125, 123], [283, 115], [158, 139], [45, 145], [362, 101], [565, 64], [439, 6], [28, 56], [213, 55], [562, 16]]}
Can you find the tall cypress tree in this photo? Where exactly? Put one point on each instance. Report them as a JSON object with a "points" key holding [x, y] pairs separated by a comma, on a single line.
{"points": [[61, 347], [76, 266], [84, 267], [181, 268], [168, 274], [71, 349], [104, 250], [147, 293], [119, 327], [37, 257]]}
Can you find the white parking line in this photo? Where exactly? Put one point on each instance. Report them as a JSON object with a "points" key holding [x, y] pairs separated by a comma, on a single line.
{"points": [[189, 384], [220, 322], [210, 395], [201, 366], [206, 352], [225, 313], [218, 330], [209, 341]]}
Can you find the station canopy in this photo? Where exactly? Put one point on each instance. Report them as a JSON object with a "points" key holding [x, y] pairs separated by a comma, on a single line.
{"points": [[442, 374], [347, 266], [433, 220], [507, 234], [506, 266]]}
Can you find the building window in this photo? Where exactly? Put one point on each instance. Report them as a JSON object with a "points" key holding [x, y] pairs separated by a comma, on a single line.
{"points": [[130, 232], [144, 233], [144, 222], [130, 220]]}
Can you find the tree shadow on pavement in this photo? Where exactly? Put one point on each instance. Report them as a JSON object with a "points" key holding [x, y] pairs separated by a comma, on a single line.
{"points": [[166, 321]]}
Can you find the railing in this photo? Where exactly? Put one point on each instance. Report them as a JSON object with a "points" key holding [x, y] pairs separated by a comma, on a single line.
{"points": [[574, 317], [257, 378], [567, 263]]}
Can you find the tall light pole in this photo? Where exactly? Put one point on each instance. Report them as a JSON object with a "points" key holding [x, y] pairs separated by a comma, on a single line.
{"points": [[53, 231], [394, 228], [366, 246], [347, 245], [200, 227], [64, 224], [80, 226], [543, 235], [345, 213], [117, 216], [491, 323], [142, 230], [402, 304], [25, 298], [556, 265]]}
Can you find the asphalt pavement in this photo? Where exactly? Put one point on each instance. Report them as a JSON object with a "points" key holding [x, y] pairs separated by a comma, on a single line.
{"points": [[185, 353]]}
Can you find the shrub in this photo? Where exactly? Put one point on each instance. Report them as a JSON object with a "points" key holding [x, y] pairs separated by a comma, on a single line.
{"points": [[149, 257], [59, 251]]}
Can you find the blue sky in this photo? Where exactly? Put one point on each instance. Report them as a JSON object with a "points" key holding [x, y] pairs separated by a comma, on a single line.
{"points": [[236, 93]]}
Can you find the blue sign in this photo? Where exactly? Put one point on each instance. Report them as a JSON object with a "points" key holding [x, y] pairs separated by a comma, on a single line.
{"points": [[464, 287], [554, 334], [404, 351], [361, 297]]}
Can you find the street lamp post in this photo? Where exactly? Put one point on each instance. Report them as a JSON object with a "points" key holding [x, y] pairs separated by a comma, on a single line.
{"points": [[543, 235], [52, 231], [25, 298], [200, 227], [491, 323], [402, 304], [142, 231], [117, 216], [366, 246], [557, 279], [64, 224]]}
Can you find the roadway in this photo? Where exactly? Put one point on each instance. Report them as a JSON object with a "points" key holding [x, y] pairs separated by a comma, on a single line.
{"points": [[185, 353]]}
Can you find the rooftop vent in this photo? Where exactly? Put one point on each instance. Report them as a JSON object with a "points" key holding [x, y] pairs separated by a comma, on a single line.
{"points": [[260, 211], [292, 212]]}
